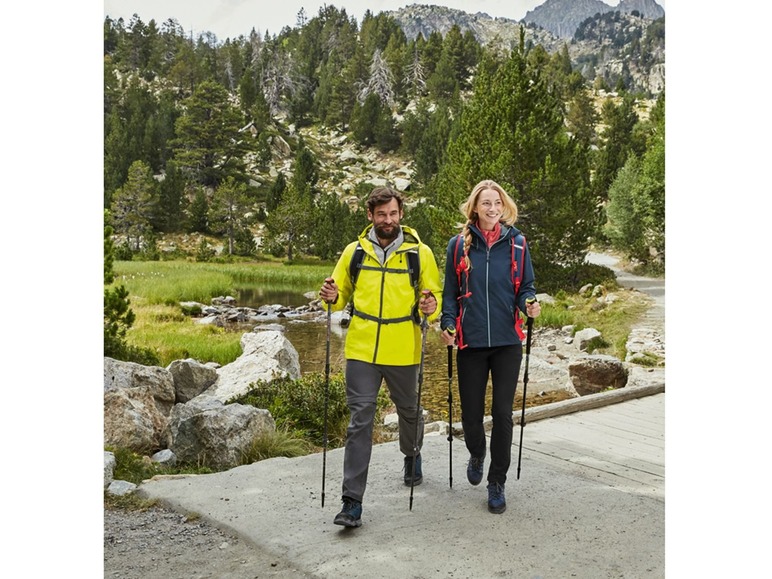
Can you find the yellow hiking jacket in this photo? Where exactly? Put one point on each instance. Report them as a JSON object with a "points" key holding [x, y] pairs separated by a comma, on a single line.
{"points": [[382, 329]]}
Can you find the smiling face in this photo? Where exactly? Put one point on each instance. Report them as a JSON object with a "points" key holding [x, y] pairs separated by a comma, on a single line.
{"points": [[385, 218], [489, 208]]}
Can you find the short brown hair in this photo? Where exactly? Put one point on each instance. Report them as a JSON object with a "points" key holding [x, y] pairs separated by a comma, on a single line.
{"points": [[382, 195]]}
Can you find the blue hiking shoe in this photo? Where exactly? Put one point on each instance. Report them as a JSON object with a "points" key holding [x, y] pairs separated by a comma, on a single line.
{"points": [[474, 470], [419, 476], [351, 514], [497, 503]]}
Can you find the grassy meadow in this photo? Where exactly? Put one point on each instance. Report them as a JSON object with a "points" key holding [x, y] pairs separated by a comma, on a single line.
{"points": [[156, 289]]}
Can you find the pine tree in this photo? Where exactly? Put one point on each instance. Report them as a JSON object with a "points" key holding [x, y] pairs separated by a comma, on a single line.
{"points": [[381, 81], [415, 75], [330, 216], [636, 206], [134, 205], [512, 131], [276, 192], [305, 173], [617, 141], [171, 197], [199, 212], [226, 212], [289, 225], [209, 146], [364, 120]]}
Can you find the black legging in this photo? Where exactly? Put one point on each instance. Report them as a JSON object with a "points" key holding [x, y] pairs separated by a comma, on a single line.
{"points": [[474, 364]]}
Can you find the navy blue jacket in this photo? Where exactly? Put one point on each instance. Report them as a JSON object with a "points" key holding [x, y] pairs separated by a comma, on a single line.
{"points": [[489, 308]]}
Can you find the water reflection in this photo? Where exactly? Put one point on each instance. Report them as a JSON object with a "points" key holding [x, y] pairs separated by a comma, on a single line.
{"points": [[308, 336]]}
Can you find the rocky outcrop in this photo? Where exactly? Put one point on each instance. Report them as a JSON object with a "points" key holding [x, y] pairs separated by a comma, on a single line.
{"points": [[206, 431], [139, 401], [132, 420], [191, 378], [127, 375], [266, 355]]}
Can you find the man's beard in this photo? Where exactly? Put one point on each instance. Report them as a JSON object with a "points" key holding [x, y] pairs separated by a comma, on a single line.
{"points": [[387, 235]]}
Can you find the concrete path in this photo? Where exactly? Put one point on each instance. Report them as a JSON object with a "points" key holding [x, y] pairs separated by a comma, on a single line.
{"points": [[653, 287], [589, 504]]}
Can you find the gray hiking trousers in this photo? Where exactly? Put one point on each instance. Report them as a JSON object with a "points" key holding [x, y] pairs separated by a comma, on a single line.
{"points": [[363, 380]]}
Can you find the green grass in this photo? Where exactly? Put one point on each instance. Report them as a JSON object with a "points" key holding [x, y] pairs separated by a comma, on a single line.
{"points": [[613, 320], [156, 289], [171, 282], [270, 444]]}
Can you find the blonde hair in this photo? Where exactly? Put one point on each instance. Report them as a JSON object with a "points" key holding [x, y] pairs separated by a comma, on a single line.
{"points": [[468, 208]]}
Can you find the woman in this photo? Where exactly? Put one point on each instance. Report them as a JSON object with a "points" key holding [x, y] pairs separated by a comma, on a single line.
{"points": [[488, 283]]}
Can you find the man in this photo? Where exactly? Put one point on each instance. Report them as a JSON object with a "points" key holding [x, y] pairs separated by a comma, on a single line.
{"points": [[384, 338]]}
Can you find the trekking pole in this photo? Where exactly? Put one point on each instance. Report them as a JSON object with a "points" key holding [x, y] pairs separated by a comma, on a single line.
{"points": [[326, 397], [529, 326], [450, 416], [424, 326]]}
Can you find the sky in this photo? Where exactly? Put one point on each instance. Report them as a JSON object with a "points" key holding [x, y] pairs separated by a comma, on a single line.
{"points": [[232, 18]]}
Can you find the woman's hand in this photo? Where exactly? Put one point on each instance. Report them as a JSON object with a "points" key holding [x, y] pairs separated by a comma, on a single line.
{"points": [[532, 309]]}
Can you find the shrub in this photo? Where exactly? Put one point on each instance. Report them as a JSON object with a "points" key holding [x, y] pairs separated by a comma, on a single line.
{"points": [[298, 406], [551, 277]]}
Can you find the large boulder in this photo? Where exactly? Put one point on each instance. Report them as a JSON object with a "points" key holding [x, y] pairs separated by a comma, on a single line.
{"points": [[582, 338], [129, 375], [191, 378], [267, 355], [592, 374], [132, 420], [205, 431], [545, 377]]}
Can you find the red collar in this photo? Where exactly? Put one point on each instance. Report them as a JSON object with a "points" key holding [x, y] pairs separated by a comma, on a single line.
{"points": [[491, 236]]}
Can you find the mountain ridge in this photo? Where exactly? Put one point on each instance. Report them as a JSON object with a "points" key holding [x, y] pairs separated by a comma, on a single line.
{"points": [[616, 44]]}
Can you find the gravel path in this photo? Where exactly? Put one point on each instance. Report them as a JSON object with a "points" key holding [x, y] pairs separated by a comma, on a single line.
{"points": [[161, 543]]}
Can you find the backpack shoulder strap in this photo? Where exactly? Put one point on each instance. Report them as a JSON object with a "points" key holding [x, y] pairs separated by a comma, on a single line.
{"points": [[414, 267], [355, 265], [518, 242], [456, 263]]}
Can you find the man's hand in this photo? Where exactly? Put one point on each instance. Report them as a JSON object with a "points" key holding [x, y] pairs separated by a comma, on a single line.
{"points": [[329, 291], [427, 303]]}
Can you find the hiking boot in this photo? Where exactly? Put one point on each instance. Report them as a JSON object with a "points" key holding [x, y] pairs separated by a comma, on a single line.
{"points": [[419, 476], [496, 502], [351, 514], [474, 469]]}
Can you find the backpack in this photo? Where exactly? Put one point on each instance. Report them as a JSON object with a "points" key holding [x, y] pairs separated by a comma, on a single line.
{"points": [[414, 269], [517, 278]]}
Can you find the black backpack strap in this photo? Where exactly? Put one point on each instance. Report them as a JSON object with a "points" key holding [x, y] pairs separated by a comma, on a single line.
{"points": [[355, 265], [414, 267]]}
